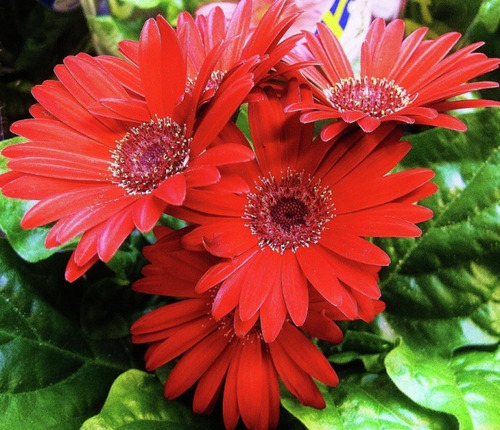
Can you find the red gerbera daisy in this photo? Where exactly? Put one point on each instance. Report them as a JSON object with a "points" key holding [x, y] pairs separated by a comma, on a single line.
{"points": [[304, 218], [244, 41], [409, 81], [107, 153], [224, 354]]}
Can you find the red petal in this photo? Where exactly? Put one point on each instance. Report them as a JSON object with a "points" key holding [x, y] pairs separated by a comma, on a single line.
{"points": [[62, 205], [213, 203], [194, 364], [93, 78], [130, 50], [172, 190], [63, 106], [125, 110], [307, 356], [227, 99], [88, 218], [332, 130], [230, 410], [294, 285], [74, 271], [127, 74], [113, 233], [368, 123], [349, 197], [56, 134], [162, 67], [182, 339], [251, 385], [387, 50], [198, 176], [408, 47], [319, 326], [273, 387], [229, 244], [356, 275], [445, 121], [227, 153], [241, 328], [323, 278], [262, 276], [298, 382], [146, 212], [361, 224], [221, 271], [172, 315], [354, 247], [272, 314], [228, 295], [210, 383]]}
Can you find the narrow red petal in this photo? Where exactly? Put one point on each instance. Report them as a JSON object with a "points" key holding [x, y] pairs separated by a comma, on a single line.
{"points": [[194, 364], [354, 247], [172, 190], [298, 382], [294, 285], [273, 313], [322, 276], [307, 356], [251, 386], [221, 271], [262, 276]]}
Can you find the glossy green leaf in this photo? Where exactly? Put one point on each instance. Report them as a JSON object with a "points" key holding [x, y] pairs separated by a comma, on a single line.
{"points": [[485, 27], [51, 374], [468, 386], [441, 15], [488, 16], [136, 401], [442, 288], [443, 292], [367, 401], [369, 348], [29, 244]]}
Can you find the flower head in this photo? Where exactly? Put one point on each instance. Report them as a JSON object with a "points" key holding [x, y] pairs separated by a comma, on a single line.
{"points": [[243, 39], [408, 81], [225, 355], [114, 142], [311, 12], [301, 224]]}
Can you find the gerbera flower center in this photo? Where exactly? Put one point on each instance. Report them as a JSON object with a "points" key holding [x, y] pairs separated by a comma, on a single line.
{"points": [[374, 96], [149, 154], [288, 213]]}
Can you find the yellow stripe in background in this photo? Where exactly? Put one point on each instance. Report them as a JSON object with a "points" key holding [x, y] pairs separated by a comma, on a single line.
{"points": [[333, 20]]}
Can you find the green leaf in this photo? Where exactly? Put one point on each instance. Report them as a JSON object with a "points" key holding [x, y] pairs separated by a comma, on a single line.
{"points": [[242, 121], [108, 31], [442, 288], [51, 374], [485, 27], [366, 401], [136, 401], [487, 16], [468, 386], [441, 15], [361, 345], [29, 244]]}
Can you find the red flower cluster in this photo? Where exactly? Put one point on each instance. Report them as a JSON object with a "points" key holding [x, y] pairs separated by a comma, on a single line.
{"points": [[278, 246]]}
